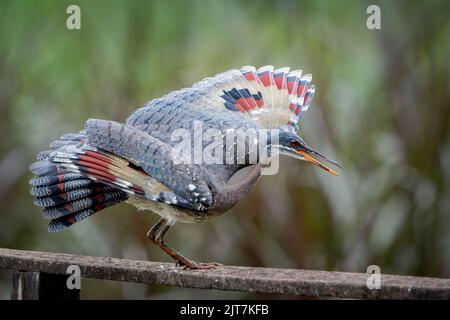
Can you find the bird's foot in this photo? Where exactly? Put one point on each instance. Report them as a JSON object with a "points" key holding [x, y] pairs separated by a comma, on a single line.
{"points": [[192, 265]]}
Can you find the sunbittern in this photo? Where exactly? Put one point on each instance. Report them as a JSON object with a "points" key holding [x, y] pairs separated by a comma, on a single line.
{"points": [[139, 161]]}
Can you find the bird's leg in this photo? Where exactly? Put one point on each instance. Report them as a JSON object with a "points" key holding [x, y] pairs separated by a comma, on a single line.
{"points": [[156, 234], [151, 234]]}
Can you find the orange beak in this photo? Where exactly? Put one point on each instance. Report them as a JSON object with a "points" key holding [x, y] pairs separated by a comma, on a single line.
{"points": [[306, 155]]}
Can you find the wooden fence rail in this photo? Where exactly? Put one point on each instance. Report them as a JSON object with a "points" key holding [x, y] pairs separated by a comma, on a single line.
{"points": [[40, 275]]}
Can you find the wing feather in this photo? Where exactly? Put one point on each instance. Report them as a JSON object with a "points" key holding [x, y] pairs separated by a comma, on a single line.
{"points": [[268, 97]]}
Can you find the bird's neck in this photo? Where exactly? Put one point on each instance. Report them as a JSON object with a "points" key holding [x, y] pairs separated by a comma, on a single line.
{"points": [[230, 194]]}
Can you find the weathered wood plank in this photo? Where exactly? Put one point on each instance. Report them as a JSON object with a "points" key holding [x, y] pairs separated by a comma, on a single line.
{"points": [[264, 280], [33, 285]]}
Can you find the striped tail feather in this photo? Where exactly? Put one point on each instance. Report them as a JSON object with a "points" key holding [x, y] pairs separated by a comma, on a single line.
{"points": [[84, 208], [74, 181]]}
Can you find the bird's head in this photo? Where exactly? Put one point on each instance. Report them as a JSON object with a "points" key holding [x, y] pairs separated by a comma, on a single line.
{"points": [[292, 145]]}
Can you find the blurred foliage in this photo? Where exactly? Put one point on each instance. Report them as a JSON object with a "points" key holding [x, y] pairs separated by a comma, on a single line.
{"points": [[381, 109]]}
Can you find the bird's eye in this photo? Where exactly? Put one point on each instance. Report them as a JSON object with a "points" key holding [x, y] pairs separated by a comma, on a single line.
{"points": [[294, 143]]}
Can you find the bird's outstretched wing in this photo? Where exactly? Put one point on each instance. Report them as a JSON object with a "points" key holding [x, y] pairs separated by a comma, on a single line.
{"points": [[286, 95], [189, 183], [266, 96]]}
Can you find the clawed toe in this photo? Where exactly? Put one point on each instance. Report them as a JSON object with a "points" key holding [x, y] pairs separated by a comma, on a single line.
{"points": [[197, 265], [211, 265]]}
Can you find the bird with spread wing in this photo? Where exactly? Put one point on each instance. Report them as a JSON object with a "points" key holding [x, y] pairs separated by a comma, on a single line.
{"points": [[110, 162]]}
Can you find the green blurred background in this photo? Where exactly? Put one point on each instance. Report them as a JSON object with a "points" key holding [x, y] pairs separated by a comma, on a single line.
{"points": [[382, 108]]}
